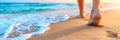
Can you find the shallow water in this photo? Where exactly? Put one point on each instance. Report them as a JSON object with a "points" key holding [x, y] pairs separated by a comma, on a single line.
{"points": [[24, 26]]}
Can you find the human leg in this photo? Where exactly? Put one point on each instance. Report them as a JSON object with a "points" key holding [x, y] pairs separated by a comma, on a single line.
{"points": [[95, 16], [81, 8]]}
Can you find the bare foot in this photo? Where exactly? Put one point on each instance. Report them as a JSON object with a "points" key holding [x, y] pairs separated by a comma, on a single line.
{"points": [[95, 21], [80, 16], [95, 18]]}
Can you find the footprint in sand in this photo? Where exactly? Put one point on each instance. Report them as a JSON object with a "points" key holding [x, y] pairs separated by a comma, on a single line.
{"points": [[113, 34]]}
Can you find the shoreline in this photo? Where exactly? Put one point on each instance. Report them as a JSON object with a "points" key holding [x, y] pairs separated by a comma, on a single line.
{"points": [[76, 29]]}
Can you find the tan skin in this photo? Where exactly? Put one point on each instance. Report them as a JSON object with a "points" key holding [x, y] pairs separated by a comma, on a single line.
{"points": [[95, 16]]}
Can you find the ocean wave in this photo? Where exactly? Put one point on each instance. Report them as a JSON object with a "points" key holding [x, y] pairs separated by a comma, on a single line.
{"points": [[24, 26], [33, 7]]}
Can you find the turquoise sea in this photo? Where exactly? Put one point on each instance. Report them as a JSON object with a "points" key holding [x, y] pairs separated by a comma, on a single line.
{"points": [[21, 8], [20, 21]]}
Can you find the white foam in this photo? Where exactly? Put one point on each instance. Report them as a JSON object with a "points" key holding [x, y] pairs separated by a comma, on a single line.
{"points": [[21, 27]]}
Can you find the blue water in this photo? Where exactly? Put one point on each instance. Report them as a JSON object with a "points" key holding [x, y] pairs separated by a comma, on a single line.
{"points": [[24, 26], [7, 8], [19, 21]]}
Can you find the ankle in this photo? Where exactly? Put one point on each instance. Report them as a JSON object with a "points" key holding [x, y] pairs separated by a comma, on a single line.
{"points": [[95, 9]]}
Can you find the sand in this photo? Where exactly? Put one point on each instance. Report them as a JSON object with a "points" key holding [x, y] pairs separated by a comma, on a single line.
{"points": [[76, 29]]}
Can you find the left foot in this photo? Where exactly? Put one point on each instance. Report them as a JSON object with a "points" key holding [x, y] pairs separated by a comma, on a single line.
{"points": [[80, 16]]}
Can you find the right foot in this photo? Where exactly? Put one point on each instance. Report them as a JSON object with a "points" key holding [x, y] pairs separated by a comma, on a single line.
{"points": [[95, 18], [95, 21]]}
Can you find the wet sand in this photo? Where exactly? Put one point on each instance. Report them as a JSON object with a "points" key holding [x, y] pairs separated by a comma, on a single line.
{"points": [[76, 29]]}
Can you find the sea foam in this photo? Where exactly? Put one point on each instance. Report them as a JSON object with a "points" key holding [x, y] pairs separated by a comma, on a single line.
{"points": [[24, 26]]}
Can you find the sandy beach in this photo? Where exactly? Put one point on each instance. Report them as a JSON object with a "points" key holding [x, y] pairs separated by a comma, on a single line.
{"points": [[76, 29]]}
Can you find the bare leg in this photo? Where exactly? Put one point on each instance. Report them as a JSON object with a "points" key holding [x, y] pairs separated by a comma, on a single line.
{"points": [[95, 16], [81, 7]]}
